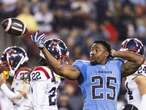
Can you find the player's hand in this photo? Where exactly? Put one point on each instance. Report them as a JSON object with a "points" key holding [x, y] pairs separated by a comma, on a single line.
{"points": [[38, 39]]}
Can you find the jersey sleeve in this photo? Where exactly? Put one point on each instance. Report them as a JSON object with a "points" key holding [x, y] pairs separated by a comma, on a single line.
{"points": [[10, 94], [119, 61], [80, 65]]}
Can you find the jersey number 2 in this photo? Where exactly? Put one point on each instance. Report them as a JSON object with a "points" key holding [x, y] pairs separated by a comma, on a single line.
{"points": [[129, 92], [101, 85], [52, 96]]}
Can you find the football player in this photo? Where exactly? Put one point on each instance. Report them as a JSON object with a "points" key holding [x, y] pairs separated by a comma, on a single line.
{"points": [[15, 58], [135, 83], [44, 81], [96, 76]]}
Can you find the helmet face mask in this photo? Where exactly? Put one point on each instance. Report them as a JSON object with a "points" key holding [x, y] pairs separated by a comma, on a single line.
{"points": [[15, 57], [134, 45]]}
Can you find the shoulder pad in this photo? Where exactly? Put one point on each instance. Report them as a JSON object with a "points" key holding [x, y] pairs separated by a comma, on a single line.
{"points": [[141, 70]]}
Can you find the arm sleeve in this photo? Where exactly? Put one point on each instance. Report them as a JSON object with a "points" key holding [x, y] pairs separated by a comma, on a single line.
{"points": [[9, 93], [81, 66], [119, 62]]}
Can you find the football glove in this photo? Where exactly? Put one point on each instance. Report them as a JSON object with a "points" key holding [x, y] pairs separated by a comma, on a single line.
{"points": [[38, 39]]}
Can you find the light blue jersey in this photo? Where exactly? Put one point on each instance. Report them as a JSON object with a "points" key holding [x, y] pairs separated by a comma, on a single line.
{"points": [[101, 84]]}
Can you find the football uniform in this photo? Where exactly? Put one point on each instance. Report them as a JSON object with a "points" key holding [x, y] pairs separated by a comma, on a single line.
{"points": [[134, 98], [133, 95], [12, 58], [44, 83], [21, 83], [100, 84]]}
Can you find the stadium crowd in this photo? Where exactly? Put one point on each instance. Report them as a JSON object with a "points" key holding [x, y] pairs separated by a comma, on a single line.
{"points": [[79, 23]]}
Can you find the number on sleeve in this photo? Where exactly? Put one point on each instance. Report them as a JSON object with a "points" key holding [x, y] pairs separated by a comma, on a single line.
{"points": [[36, 76]]}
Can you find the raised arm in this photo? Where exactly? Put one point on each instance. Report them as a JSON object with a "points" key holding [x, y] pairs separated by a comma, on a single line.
{"points": [[133, 61], [10, 94], [64, 70]]}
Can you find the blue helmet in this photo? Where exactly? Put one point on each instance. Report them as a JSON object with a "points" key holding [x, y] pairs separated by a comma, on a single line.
{"points": [[14, 56], [133, 44], [57, 48]]}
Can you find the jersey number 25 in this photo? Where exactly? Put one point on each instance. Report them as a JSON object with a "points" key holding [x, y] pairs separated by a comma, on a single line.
{"points": [[109, 85]]}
